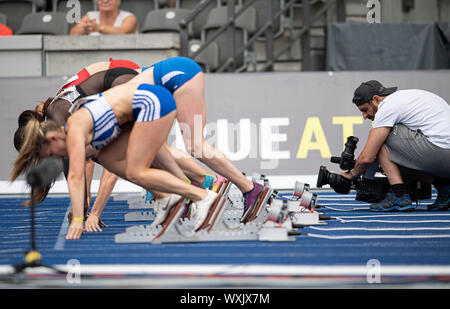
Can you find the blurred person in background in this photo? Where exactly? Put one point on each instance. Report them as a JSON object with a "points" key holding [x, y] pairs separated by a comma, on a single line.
{"points": [[5, 30], [109, 19]]}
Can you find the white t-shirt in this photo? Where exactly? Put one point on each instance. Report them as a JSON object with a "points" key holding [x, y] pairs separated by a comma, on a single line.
{"points": [[117, 23], [418, 110]]}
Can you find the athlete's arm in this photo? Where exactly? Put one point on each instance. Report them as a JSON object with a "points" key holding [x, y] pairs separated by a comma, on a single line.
{"points": [[77, 138], [107, 182]]}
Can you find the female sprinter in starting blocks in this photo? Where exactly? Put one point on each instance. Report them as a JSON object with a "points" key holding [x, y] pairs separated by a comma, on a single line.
{"points": [[87, 82], [97, 130], [184, 78]]}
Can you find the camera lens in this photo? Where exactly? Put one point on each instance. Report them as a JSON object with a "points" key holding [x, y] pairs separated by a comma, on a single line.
{"points": [[347, 161], [350, 145]]}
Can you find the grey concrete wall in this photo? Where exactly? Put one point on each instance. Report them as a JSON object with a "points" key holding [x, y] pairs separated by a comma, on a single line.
{"points": [[37, 55], [291, 122], [21, 55], [64, 55], [16, 95]]}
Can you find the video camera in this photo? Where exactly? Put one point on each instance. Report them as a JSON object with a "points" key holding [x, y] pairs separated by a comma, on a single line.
{"points": [[370, 190]]}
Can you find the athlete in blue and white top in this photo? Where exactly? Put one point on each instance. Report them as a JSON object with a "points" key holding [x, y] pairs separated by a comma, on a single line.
{"points": [[98, 123], [94, 79]]}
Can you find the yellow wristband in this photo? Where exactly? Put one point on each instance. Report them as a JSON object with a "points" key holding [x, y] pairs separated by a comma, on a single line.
{"points": [[78, 219]]}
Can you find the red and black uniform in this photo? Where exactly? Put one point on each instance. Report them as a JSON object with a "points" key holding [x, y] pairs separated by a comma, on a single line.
{"points": [[84, 74]]}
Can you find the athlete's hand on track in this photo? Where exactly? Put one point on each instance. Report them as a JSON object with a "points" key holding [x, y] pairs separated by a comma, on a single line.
{"points": [[93, 223], [75, 230]]}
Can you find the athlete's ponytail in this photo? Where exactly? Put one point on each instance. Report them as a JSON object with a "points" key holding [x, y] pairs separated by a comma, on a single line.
{"points": [[34, 137], [41, 108], [24, 118]]}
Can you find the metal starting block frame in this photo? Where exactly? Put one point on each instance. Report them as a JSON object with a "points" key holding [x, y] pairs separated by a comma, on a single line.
{"points": [[285, 215], [140, 205], [273, 231], [299, 215], [139, 216], [235, 198], [222, 224], [306, 219], [137, 201], [134, 200]]}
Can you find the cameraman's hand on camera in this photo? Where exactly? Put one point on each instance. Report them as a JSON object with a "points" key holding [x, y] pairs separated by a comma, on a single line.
{"points": [[346, 175]]}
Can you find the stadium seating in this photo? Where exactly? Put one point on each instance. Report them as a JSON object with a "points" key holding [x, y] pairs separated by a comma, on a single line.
{"points": [[285, 49], [161, 3], [15, 10], [3, 19], [44, 23], [208, 58], [260, 7], [245, 25], [86, 5], [201, 19], [164, 20], [140, 8]]}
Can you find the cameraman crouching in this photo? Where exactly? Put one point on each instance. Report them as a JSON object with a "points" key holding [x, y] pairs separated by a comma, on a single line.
{"points": [[411, 129]]}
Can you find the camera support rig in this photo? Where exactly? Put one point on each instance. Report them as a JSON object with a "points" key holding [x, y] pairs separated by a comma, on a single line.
{"points": [[369, 188]]}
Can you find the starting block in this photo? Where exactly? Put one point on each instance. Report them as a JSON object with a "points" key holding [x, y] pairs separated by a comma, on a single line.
{"points": [[137, 201], [138, 234], [213, 228], [298, 214], [145, 233], [140, 216], [307, 198], [305, 219], [300, 188], [286, 215], [261, 179], [222, 223], [140, 204], [273, 231], [134, 200], [235, 198], [278, 226]]}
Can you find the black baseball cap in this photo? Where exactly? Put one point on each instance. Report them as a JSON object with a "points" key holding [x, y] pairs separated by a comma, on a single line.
{"points": [[367, 90]]}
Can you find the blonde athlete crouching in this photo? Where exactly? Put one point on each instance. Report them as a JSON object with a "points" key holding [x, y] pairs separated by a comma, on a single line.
{"points": [[97, 130]]}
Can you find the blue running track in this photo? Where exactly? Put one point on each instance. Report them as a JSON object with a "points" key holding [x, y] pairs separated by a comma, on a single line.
{"points": [[352, 237]]}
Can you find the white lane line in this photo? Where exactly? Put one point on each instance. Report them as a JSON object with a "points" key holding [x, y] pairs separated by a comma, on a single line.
{"points": [[60, 241]]}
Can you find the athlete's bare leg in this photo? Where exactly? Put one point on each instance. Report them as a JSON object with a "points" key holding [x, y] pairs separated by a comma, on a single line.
{"points": [[191, 108]]}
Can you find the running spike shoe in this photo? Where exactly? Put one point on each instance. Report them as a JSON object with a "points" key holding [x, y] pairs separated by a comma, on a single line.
{"points": [[251, 199], [200, 209], [163, 207]]}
